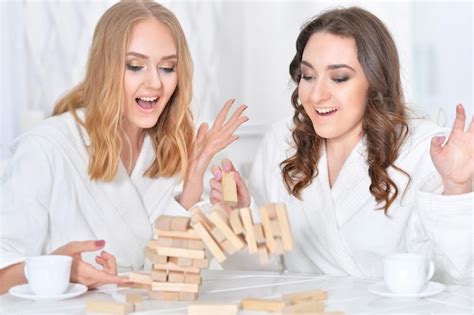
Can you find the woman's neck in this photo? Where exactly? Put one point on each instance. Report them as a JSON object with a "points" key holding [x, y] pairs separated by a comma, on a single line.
{"points": [[132, 141], [337, 151]]}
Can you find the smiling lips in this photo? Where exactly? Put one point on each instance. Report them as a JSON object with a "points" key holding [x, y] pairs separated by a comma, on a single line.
{"points": [[326, 111], [147, 103]]}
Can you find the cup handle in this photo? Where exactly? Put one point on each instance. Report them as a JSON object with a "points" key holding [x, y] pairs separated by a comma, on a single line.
{"points": [[25, 271], [430, 271]]}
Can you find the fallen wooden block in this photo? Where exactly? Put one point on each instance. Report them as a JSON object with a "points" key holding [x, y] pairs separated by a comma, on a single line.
{"points": [[228, 247], [305, 307], [265, 305], [164, 295], [209, 242], [217, 235], [215, 309], [246, 217], [229, 189], [267, 228], [99, 306], [136, 300], [315, 295], [236, 222], [199, 216], [286, 236], [221, 223], [258, 232]]}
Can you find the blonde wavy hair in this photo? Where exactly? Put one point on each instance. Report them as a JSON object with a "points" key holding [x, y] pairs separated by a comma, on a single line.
{"points": [[102, 94]]}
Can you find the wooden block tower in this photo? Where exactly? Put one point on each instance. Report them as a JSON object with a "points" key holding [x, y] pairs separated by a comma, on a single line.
{"points": [[177, 256]]}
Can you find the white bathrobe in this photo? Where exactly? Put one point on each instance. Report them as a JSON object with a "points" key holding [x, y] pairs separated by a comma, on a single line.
{"points": [[338, 231], [48, 199]]}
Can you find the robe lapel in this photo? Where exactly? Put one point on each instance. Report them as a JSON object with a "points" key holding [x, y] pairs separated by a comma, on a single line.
{"points": [[318, 206], [350, 191], [115, 210]]}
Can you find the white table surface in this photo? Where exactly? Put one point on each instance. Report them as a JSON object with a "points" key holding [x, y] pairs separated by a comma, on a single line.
{"points": [[344, 294]]}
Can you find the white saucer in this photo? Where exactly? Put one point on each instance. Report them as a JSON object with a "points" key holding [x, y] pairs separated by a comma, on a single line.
{"points": [[23, 291], [430, 289]]}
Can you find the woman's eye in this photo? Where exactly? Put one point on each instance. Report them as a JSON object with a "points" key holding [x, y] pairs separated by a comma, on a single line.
{"points": [[167, 69], [340, 79], [134, 68], [306, 77]]}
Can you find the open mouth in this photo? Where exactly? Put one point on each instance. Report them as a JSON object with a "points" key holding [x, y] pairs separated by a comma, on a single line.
{"points": [[147, 103], [327, 111]]}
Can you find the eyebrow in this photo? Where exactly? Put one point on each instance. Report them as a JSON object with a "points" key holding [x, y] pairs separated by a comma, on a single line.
{"points": [[330, 67], [142, 56]]}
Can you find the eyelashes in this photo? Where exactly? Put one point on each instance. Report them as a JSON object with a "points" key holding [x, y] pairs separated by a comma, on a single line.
{"points": [[337, 79], [165, 70]]}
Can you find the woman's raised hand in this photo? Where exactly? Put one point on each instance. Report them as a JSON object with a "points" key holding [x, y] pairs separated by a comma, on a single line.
{"points": [[208, 142], [454, 161]]}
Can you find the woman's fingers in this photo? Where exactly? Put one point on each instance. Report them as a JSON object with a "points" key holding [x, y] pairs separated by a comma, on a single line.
{"points": [[75, 248], [460, 119], [233, 120], [220, 119]]}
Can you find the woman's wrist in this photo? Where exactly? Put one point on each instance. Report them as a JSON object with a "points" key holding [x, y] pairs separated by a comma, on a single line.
{"points": [[192, 192]]}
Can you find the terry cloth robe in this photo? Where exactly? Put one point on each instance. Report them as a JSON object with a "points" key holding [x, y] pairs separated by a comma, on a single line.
{"points": [[338, 231], [49, 200]]}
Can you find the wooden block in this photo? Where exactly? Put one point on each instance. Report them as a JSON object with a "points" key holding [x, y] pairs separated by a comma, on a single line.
{"points": [[152, 244], [176, 277], [297, 297], [140, 277], [221, 212], [229, 189], [263, 254], [173, 266], [159, 275], [162, 242], [180, 252], [271, 211], [305, 307], [206, 309], [179, 243], [135, 285], [258, 231], [249, 232], [228, 247], [221, 223], [199, 216], [189, 234], [163, 222], [181, 261], [154, 257], [133, 298], [180, 223], [201, 263], [195, 244], [209, 241], [97, 306], [192, 278], [278, 247], [265, 305], [267, 228], [286, 236], [275, 226], [175, 287], [164, 295], [217, 235], [187, 296], [236, 222]]}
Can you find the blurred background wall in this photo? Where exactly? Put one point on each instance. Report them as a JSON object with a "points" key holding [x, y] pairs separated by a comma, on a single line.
{"points": [[240, 49]]}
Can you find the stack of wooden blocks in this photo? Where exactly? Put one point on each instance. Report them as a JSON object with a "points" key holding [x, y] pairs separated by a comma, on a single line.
{"points": [[177, 256]]}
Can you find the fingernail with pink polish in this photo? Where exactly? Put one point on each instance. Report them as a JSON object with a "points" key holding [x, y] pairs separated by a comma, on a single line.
{"points": [[100, 243], [227, 167], [217, 175]]}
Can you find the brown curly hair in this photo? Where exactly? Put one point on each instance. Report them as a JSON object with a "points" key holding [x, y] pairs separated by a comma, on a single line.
{"points": [[385, 119]]}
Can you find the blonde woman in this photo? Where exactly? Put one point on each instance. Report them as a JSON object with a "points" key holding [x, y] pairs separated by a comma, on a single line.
{"points": [[97, 174], [360, 176]]}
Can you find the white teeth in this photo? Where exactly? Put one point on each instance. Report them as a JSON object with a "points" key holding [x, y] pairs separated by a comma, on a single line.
{"points": [[326, 110], [148, 99]]}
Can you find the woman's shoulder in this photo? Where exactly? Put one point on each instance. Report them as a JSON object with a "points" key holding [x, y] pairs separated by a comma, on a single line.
{"points": [[63, 128]]}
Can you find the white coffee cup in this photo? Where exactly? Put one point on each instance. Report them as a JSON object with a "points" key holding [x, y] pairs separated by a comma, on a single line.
{"points": [[407, 273], [48, 275]]}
